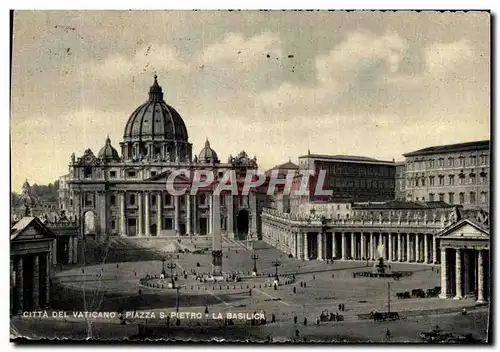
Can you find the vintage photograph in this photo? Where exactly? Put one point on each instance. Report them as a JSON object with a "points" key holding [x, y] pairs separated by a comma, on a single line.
{"points": [[250, 176]]}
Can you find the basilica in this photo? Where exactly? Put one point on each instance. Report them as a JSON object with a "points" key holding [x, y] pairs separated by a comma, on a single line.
{"points": [[124, 193]]}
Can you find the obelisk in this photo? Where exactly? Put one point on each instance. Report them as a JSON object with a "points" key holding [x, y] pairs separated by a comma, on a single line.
{"points": [[217, 237]]}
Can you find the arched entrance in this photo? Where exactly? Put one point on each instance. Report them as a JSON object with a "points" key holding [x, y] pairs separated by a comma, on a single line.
{"points": [[242, 222], [89, 224]]}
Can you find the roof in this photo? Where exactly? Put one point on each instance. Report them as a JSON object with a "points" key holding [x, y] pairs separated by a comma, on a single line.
{"points": [[480, 227], [286, 166], [396, 204], [459, 147], [350, 158], [24, 223]]}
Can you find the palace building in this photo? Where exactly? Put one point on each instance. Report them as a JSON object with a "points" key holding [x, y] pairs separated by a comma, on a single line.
{"points": [[124, 193], [455, 174]]}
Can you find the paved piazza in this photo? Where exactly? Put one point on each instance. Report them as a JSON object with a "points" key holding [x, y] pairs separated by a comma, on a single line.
{"points": [[113, 286]]}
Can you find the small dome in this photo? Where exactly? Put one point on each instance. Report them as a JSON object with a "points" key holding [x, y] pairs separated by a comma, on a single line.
{"points": [[207, 154], [155, 120], [108, 152]]}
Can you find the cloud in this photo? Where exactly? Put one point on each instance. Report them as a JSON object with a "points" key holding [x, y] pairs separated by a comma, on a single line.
{"points": [[441, 58], [148, 58], [235, 51]]}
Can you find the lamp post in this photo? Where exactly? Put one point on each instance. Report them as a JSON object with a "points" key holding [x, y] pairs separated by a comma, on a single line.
{"points": [[276, 264], [254, 258], [172, 266], [177, 299], [163, 266]]}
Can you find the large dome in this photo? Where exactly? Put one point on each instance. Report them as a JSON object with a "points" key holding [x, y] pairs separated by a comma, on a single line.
{"points": [[155, 131], [155, 120]]}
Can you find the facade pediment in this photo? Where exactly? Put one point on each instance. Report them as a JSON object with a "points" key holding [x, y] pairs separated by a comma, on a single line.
{"points": [[465, 229], [30, 229]]}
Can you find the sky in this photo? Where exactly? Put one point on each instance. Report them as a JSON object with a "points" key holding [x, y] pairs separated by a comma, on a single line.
{"points": [[275, 84]]}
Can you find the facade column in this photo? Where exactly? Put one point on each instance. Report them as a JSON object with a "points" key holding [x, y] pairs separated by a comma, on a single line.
{"points": [[306, 247], [147, 215], [434, 249], [210, 212], [54, 251], [480, 277], [391, 254], [363, 254], [444, 274], [36, 282], [194, 226], [426, 248], [159, 213], [188, 213], [408, 248], [70, 250], [121, 199], [400, 247], [372, 246], [380, 242], [230, 216], [47, 279], [320, 246], [141, 216], [417, 245], [75, 249], [343, 245], [300, 252], [176, 216], [353, 246], [334, 246], [19, 286], [458, 273]]}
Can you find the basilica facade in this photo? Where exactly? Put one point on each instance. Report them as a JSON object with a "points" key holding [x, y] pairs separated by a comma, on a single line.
{"points": [[125, 194]]}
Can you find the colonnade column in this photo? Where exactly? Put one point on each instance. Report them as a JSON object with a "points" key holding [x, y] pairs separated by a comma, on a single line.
{"points": [[417, 245], [306, 247], [480, 277], [70, 250], [320, 246], [380, 242], [139, 208], [159, 215], [434, 248], [343, 243], [210, 212], [334, 246], [426, 248], [121, 199], [353, 246], [372, 246], [363, 254], [47, 278], [230, 215], [176, 216], [400, 247], [19, 285], [194, 216], [300, 252], [147, 218], [391, 255], [458, 273], [54, 251], [36, 282], [408, 249]]}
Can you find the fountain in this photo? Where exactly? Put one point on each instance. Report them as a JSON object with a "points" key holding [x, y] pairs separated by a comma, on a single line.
{"points": [[380, 269]]}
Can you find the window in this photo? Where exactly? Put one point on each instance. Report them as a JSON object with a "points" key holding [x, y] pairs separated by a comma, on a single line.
{"points": [[451, 179], [431, 180], [113, 224], [203, 199], [484, 197], [338, 207], [423, 199], [71, 202], [451, 162], [153, 200], [472, 178], [472, 160], [431, 163], [441, 197], [461, 198], [157, 151], [483, 178], [441, 180], [461, 161], [89, 199], [472, 197], [461, 179], [168, 199], [451, 198], [112, 174], [131, 174], [153, 173], [423, 181], [112, 200], [87, 171], [484, 159], [131, 199], [441, 162], [431, 197]]}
